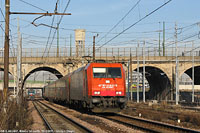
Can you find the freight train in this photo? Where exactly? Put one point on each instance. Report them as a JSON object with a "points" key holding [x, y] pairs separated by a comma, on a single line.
{"points": [[99, 87]]}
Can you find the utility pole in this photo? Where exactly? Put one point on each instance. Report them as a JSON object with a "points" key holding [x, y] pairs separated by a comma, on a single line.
{"points": [[93, 48], [128, 81], [138, 74], [163, 38], [131, 74], [159, 39], [70, 45], [65, 54], [19, 65], [14, 88], [159, 45], [6, 49], [177, 77], [192, 72], [143, 72], [57, 55], [6, 44]]}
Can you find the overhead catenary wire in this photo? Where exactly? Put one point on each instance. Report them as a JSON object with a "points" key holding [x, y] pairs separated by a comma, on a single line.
{"points": [[177, 42], [13, 53], [49, 37], [33, 6], [142, 32], [49, 41], [132, 8], [136, 23], [115, 43], [50, 32], [183, 39], [59, 24]]}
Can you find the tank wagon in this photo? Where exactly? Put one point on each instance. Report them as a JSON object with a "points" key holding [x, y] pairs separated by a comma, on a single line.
{"points": [[99, 87]]}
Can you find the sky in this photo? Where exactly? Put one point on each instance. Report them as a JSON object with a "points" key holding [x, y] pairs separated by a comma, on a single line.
{"points": [[99, 16]]}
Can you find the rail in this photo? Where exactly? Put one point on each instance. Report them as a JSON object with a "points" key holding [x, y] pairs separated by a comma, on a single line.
{"points": [[74, 126], [147, 125], [43, 118]]}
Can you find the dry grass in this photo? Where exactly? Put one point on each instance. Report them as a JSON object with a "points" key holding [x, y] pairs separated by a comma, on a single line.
{"points": [[15, 117]]}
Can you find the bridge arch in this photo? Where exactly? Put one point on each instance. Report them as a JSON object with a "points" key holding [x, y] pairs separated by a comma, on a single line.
{"points": [[159, 83], [52, 70], [9, 71], [188, 71]]}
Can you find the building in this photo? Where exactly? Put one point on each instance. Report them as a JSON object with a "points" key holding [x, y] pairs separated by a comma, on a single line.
{"points": [[80, 42]]}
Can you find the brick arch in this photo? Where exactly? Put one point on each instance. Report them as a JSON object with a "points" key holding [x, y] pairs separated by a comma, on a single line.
{"points": [[185, 68], [10, 71], [161, 67], [55, 69], [188, 71], [159, 82]]}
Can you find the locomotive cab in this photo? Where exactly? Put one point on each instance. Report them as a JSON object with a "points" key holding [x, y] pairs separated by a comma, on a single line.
{"points": [[107, 87]]}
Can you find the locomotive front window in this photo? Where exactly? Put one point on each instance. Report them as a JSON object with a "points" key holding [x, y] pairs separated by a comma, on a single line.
{"points": [[99, 72], [114, 72], [109, 72]]}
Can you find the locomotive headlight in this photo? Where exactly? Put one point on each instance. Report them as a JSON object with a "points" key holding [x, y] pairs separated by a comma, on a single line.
{"points": [[97, 92], [118, 93]]}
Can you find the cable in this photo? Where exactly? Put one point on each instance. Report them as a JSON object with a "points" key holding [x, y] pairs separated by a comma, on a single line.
{"points": [[136, 23], [184, 28], [42, 37], [2, 28], [64, 12], [9, 30], [2, 14], [33, 5], [119, 21], [191, 36], [173, 43], [169, 44], [50, 30], [59, 23], [48, 36]]}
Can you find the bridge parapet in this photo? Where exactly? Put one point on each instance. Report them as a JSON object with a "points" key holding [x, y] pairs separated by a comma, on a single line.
{"points": [[71, 60]]}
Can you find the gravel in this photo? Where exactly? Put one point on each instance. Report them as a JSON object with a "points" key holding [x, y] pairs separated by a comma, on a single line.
{"points": [[95, 123], [38, 123]]}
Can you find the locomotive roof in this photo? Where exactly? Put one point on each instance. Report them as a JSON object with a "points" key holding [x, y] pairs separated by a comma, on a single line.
{"points": [[104, 64]]}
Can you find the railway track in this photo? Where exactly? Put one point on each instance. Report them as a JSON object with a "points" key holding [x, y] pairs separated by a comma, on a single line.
{"points": [[56, 121], [146, 125]]}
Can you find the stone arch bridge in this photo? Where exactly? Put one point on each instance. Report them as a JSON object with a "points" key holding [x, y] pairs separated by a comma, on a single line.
{"points": [[160, 70]]}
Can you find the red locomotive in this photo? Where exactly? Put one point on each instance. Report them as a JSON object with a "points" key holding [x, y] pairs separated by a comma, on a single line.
{"points": [[99, 87]]}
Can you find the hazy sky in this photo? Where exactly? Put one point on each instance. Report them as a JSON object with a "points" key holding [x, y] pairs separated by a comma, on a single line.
{"points": [[99, 16]]}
